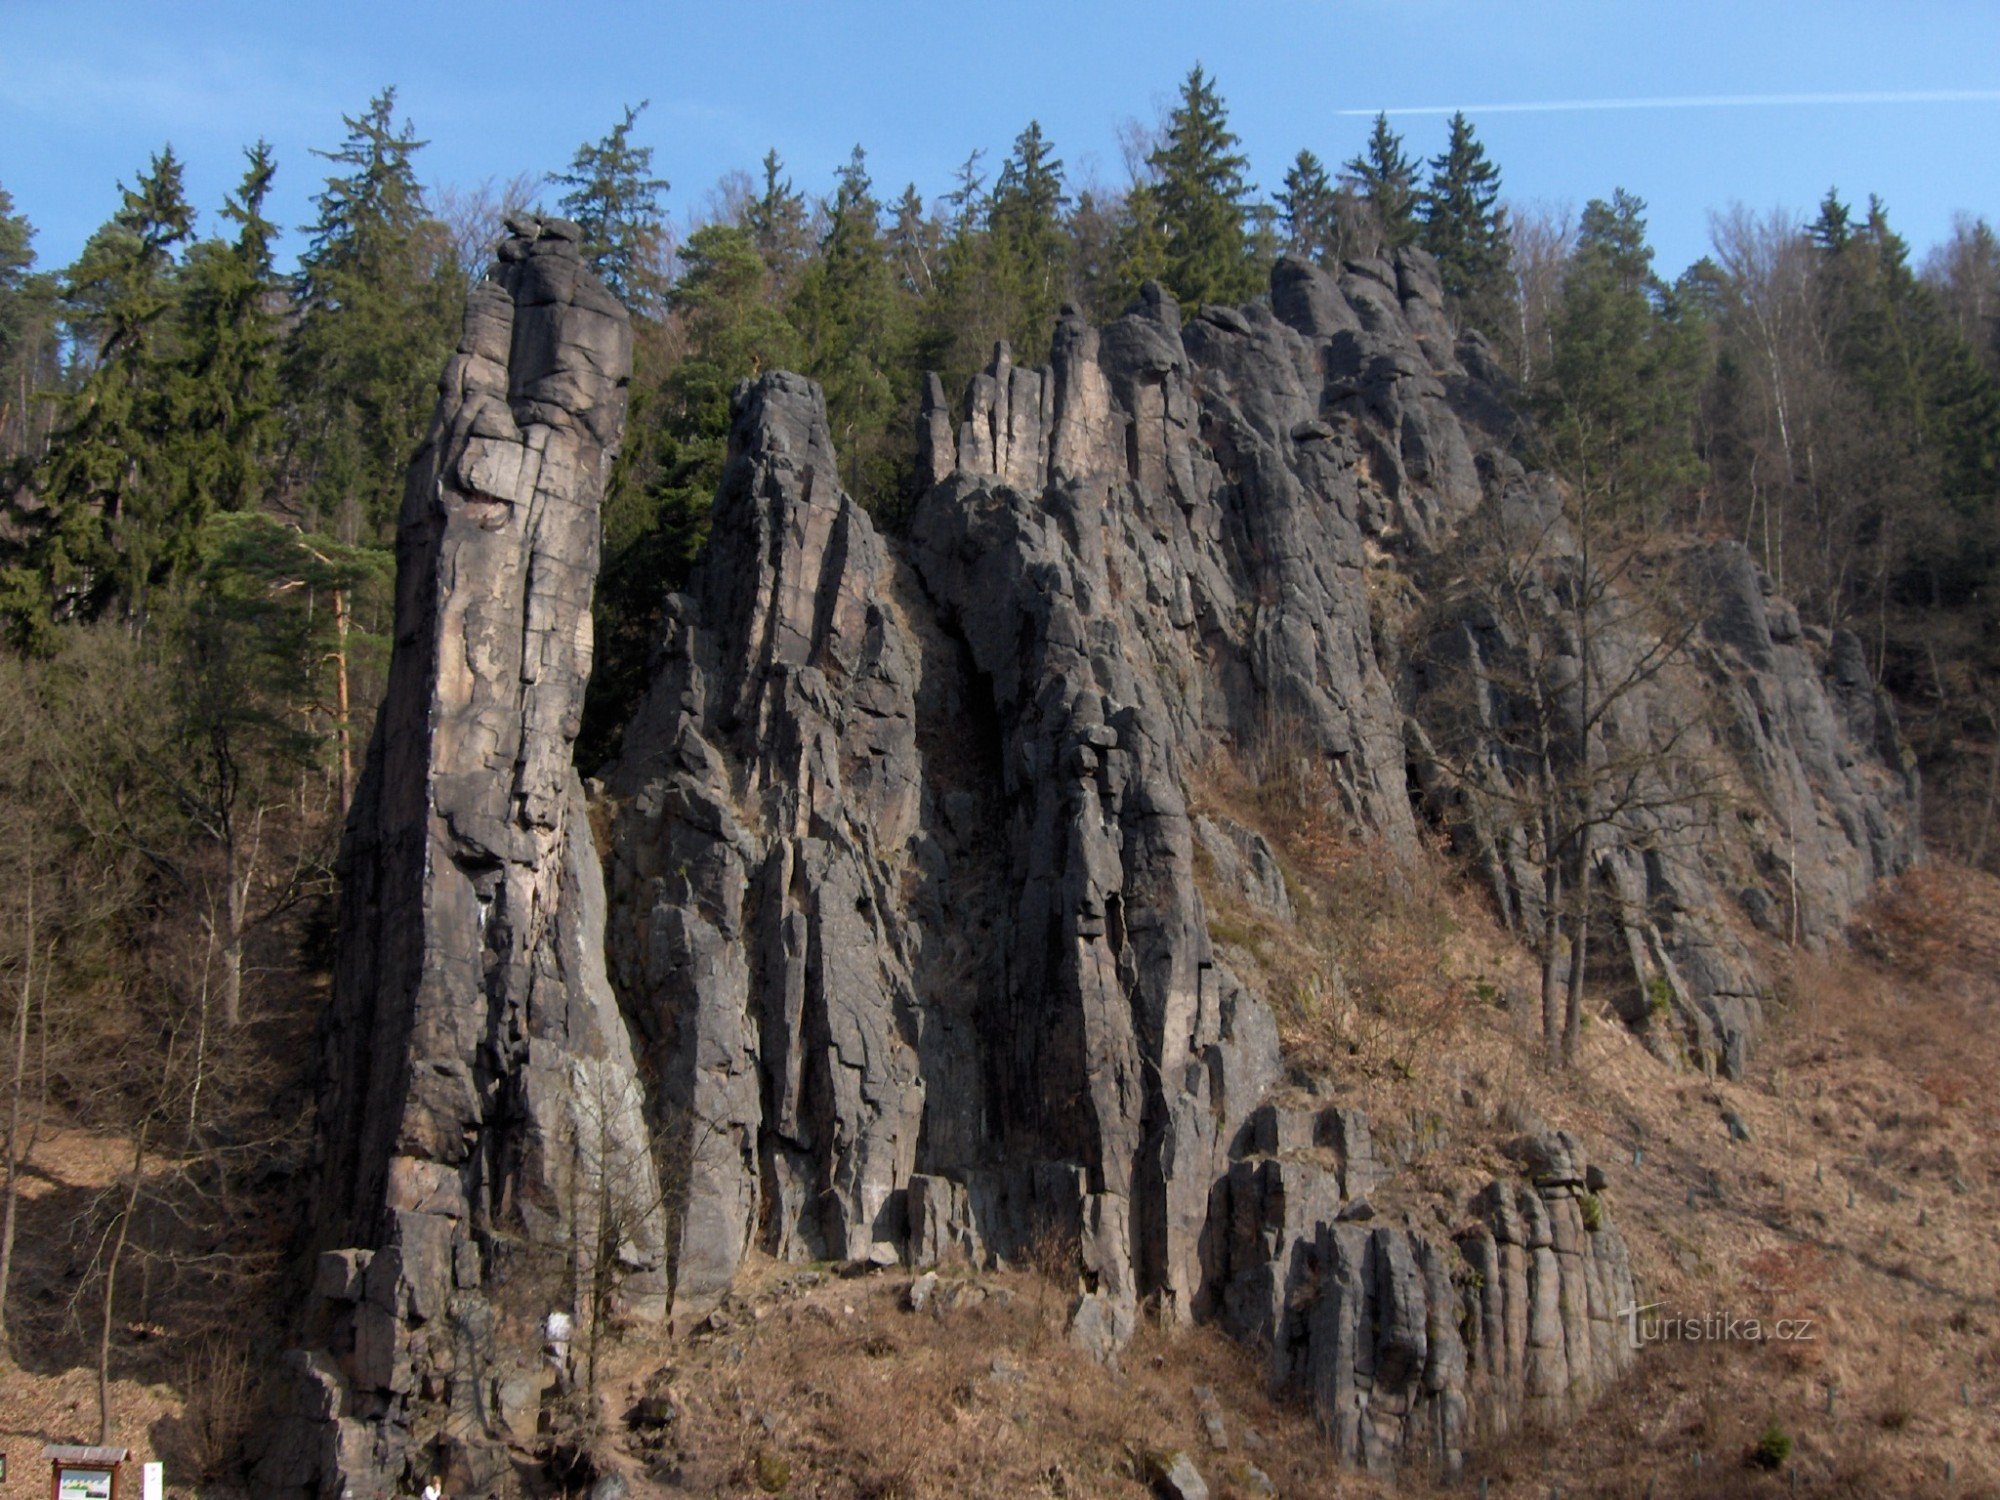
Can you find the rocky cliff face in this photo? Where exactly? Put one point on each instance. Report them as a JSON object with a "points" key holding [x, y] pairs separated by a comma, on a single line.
{"points": [[902, 915], [481, 1119]]}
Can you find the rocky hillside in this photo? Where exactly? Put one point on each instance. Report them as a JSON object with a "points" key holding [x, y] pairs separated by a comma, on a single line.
{"points": [[906, 951]]}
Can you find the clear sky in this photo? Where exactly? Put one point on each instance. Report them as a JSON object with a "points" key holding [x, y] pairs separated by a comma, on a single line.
{"points": [[1690, 105]]}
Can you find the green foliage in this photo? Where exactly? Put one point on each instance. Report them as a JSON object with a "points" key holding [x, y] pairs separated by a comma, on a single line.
{"points": [[1201, 199], [1463, 225], [1308, 210], [855, 335], [1026, 224], [377, 306], [111, 528], [1387, 179], [615, 198], [657, 506], [226, 390], [1774, 1447], [1592, 1208], [1617, 399], [1139, 252], [778, 226]]}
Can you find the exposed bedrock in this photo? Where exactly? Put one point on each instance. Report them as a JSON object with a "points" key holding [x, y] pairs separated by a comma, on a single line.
{"points": [[900, 912], [481, 1121], [903, 908]]}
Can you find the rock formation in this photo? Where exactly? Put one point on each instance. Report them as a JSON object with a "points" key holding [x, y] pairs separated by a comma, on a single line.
{"points": [[481, 1125], [902, 913]]}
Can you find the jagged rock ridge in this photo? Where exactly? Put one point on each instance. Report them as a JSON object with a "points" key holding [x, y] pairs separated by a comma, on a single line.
{"points": [[903, 901], [480, 1115], [902, 916]]}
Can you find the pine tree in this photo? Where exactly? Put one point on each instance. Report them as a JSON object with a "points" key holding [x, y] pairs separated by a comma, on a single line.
{"points": [[1026, 223], [1628, 357], [1201, 199], [1307, 210], [615, 199], [776, 219], [378, 300], [226, 387], [1463, 226], [1387, 179], [109, 533], [854, 331]]}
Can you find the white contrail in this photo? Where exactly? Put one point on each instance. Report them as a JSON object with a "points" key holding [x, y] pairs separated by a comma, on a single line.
{"points": [[1693, 101]]}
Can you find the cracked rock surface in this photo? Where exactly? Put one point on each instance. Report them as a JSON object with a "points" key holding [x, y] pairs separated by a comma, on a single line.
{"points": [[481, 1116], [900, 904]]}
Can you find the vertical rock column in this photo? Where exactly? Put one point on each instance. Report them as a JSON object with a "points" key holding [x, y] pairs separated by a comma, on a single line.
{"points": [[483, 1149]]}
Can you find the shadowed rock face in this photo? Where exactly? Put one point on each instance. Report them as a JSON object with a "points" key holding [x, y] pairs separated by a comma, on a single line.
{"points": [[480, 1116], [903, 908], [901, 911]]}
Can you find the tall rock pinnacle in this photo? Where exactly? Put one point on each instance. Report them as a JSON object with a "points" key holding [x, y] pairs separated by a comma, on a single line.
{"points": [[482, 1140]]}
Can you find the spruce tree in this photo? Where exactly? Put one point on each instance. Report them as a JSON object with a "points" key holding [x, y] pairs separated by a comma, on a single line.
{"points": [[1026, 224], [615, 199], [377, 303], [1201, 199], [854, 330], [1463, 226], [109, 531], [1307, 210], [226, 382], [776, 219], [1387, 179], [1628, 357]]}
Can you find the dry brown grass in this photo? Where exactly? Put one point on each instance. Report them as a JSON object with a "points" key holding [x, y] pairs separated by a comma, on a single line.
{"points": [[838, 1390]]}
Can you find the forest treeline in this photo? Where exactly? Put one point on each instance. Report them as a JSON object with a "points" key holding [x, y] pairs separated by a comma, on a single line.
{"points": [[203, 452]]}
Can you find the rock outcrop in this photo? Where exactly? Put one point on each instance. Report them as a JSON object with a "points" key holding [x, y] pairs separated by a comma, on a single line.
{"points": [[1411, 1348], [902, 911], [481, 1119], [903, 907]]}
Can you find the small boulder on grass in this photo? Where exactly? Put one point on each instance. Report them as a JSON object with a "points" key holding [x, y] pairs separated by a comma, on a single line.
{"points": [[1173, 1476]]}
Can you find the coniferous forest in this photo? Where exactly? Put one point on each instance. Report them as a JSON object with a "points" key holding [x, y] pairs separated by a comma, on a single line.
{"points": [[203, 453]]}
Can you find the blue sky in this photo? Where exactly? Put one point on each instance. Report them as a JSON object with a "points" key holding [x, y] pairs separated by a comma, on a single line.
{"points": [[1902, 99]]}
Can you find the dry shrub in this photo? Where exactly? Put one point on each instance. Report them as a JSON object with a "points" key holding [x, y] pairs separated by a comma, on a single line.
{"points": [[223, 1400], [1372, 970]]}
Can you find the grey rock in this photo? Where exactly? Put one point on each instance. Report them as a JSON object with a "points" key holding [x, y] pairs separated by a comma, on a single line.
{"points": [[1176, 1478], [905, 908], [476, 1079], [921, 1291]]}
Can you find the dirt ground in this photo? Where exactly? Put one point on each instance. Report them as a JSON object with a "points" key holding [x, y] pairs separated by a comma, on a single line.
{"points": [[1859, 1190]]}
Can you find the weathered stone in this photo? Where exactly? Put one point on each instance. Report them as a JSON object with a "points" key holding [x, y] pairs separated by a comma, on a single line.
{"points": [[1174, 1477], [907, 903], [477, 1078]]}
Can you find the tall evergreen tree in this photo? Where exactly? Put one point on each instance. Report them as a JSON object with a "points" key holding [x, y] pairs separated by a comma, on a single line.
{"points": [[109, 531], [854, 332], [226, 397], [1462, 224], [17, 263], [613, 195], [1026, 223], [378, 299], [1387, 179], [733, 326], [28, 346], [916, 244], [1202, 200], [1628, 356], [777, 222], [1308, 210]]}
